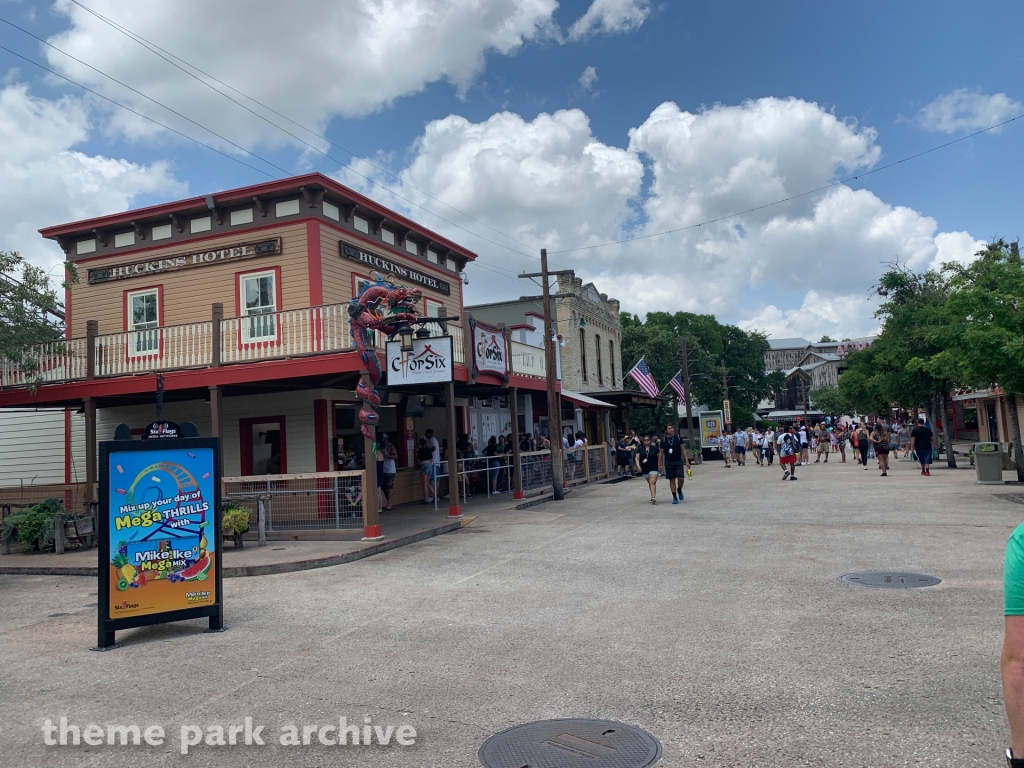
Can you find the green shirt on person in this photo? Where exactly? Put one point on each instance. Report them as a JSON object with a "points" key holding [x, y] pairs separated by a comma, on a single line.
{"points": [[1013, 574]]}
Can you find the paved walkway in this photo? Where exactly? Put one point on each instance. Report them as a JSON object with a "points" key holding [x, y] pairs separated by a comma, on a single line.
{"points": [[406, 524], [719, 625]]}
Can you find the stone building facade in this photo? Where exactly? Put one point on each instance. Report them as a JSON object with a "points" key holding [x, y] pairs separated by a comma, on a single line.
{"points": [[592, 337]]}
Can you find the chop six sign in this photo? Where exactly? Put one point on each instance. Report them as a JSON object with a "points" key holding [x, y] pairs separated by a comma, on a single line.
{"points": [[429, 362]]}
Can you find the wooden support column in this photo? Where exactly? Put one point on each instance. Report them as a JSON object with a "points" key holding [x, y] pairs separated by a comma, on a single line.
{"points": [[92, 329], [372, 530], [454, 507], [90, 449], [216, 316], [517, 459]]}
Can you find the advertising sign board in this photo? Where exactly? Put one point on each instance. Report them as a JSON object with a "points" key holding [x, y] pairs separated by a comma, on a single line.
{"points": [[727, 410], [488, 349], [710, 429], [160, 533], [431, 361]]}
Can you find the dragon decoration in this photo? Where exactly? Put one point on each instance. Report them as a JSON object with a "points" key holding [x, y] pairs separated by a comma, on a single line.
{"points": [[380, 306]]}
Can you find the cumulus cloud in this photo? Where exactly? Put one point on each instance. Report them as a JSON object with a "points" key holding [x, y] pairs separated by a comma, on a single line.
{"points": [[550, 183], [44, 181], [610, 16], [356, 56], [966, 110], [843, 316], [588, 78]]}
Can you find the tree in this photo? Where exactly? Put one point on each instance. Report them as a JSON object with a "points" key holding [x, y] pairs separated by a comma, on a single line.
{"points": [[658, 338], [984, 346], [902, 365], [830, 400], [826, 340], [30, 312]]}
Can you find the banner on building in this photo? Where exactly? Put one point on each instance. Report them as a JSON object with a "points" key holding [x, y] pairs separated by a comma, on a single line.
{"points": [[490, 354], [160, 533], [431, 361]]}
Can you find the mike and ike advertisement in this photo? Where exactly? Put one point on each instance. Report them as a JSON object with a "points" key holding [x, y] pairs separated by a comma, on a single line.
{"points": [[161, 517]]}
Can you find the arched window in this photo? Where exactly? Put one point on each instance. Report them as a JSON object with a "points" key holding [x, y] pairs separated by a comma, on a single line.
{"points": [[611, 360], [597, 346], [583, 353]]}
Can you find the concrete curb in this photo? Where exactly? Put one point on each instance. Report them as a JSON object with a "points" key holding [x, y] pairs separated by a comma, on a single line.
{"points": [[265, 570]]}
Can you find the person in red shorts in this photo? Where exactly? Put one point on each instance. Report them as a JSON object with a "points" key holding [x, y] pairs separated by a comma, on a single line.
{"points": [[788, 447]]}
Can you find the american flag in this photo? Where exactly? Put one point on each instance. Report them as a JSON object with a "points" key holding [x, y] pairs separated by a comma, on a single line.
{"points": [[677, 384], [642, 375]]}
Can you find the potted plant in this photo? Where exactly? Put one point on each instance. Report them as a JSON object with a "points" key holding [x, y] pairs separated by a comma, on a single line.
{"points": [[235, 522]]}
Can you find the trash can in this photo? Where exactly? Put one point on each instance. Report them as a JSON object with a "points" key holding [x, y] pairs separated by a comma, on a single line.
{"points": [[988, 463]]}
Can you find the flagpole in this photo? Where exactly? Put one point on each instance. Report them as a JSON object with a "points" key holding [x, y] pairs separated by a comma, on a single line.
{"points": [[689, 397]]}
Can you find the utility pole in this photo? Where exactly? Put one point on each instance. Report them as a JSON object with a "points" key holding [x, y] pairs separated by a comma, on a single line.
{"points": [[554, 399], [686, 387], [725, 397]]}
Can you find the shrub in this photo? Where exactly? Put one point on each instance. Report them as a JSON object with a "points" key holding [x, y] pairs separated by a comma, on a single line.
{"points": [[32, 527]]}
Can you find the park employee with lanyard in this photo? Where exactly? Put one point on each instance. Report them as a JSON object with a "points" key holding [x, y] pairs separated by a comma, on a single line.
{"points": [[676, 461]]}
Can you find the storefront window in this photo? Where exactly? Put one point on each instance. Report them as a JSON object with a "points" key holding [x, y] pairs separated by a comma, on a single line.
{"points": [[259, 306], [143, 319]]}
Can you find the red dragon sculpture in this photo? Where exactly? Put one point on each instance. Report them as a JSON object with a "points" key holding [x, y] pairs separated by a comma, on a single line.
{"points": [[380, 306]]}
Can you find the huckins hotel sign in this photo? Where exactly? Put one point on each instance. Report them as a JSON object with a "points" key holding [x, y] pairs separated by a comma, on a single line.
{"points": [[389, 267], [185, 261]]}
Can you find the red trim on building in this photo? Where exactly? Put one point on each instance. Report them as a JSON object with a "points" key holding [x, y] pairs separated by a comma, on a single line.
{"points": [[314, 263], [231, 196], [276, 341], [523, 327], [533, 314], [393, 251], [320, 436], [245, 441]]}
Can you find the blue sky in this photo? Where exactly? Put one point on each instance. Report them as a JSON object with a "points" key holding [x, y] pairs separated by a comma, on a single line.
{"points": [[690, 111]]}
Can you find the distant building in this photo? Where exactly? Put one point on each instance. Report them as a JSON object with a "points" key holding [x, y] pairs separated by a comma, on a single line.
{"points": [[807, 366]]}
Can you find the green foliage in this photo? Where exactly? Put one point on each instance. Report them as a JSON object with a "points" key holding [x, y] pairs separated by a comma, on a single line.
{"points": [[27, 301], [830, 400], [234, 519], [826, 340], [898, 367], [32, 527], [658, 339], [984, 344]]}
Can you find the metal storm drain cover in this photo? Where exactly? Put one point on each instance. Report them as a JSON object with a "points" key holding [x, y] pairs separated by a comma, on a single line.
{"points": [[571, 743], [891, 579]]}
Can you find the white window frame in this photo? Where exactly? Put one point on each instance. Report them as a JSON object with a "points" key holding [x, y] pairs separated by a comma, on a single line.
{"points": [[411, 246], [387, 236], [241, 216], [264, 329], [359, 224], [200, 224], [162, 232], [124, 239], [143, 338], [434, 309]]}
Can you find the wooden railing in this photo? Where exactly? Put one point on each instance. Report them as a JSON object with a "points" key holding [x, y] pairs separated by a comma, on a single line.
{"points": [[291, 333]]}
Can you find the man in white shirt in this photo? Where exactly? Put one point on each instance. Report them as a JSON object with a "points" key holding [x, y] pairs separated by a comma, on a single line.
{"points": [[757, 439], [435, 448], [805, 452], [768, 445]]}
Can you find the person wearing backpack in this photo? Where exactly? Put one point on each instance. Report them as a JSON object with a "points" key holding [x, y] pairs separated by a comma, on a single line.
{"points": [[788, 447]]}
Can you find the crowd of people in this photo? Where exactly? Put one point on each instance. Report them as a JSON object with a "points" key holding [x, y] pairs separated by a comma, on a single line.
{"points": [[794, 445]]}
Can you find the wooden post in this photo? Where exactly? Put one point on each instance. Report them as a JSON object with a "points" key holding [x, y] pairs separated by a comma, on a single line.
{"points": [[372, 530], [92, 329], [517, 460], [454, 507], [217, 316], [58, 534], [90, 448]]}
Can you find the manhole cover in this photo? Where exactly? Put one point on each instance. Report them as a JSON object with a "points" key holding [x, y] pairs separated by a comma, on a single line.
{"points": [[891, 579], [571, 743]]}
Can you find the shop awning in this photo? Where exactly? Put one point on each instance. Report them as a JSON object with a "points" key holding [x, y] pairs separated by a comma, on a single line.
{"points": [[791, 414], [586, 402]]}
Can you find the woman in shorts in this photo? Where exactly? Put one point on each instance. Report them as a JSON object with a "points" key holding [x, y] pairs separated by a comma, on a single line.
{"points": [[647, 458]]}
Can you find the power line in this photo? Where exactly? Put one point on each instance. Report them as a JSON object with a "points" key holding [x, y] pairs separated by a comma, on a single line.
{"points": [[794, 197], [135, 112], [158, 51], [140, 93]]}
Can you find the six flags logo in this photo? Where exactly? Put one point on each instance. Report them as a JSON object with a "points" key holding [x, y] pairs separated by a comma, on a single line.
{"points": [[488, 348], [427, 360]]}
